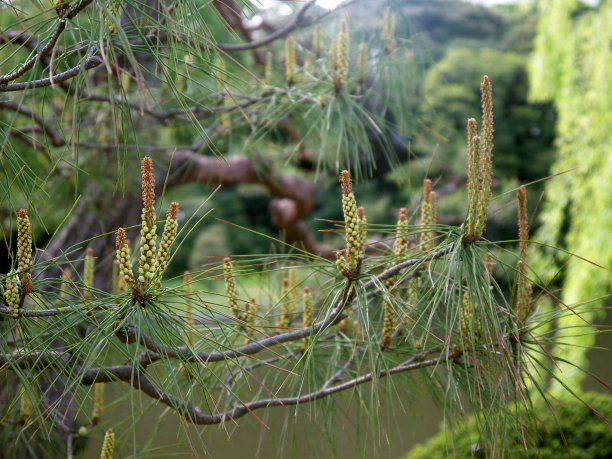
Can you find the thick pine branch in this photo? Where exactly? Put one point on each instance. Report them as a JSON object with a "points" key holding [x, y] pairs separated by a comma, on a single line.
{"points": [[142, 382]]}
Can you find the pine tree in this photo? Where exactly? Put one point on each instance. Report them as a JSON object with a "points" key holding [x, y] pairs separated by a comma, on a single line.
{"points": [[128, 102]]}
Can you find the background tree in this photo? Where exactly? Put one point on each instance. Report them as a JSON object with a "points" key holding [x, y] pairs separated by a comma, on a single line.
{"points": [[576, 211]]}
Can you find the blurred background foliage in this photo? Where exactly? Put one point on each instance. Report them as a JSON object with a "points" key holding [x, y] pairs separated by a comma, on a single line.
{"points": [[571, 67]]}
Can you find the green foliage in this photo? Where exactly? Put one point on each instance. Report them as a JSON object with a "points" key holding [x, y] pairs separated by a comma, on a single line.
{"points": [[574, 428], [572, 68], [440, 24]]}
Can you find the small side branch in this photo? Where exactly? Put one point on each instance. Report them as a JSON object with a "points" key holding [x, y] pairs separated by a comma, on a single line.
{"points": [[299, 21], [27, 65], [90, 62]]}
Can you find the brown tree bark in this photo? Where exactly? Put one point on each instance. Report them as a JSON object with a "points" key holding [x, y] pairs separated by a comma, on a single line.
{"points": [[98, 214]]}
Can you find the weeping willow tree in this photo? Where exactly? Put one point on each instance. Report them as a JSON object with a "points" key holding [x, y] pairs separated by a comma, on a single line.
{"points": [[572, 68], [102, 99]]}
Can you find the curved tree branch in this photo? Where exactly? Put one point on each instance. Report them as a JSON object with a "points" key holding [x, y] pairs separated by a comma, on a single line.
{"points": [[89, 63], [135, 372], [27, 65], [294, 197], [193, 413], [299, 21], [140, 381]]}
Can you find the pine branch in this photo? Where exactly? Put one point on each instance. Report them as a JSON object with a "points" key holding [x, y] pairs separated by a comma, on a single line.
{"points": [[28, 64], [89, 63], [129, 334], [60, 311], [193, 413], [199, 111], [140, 381], [298, 21]]}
